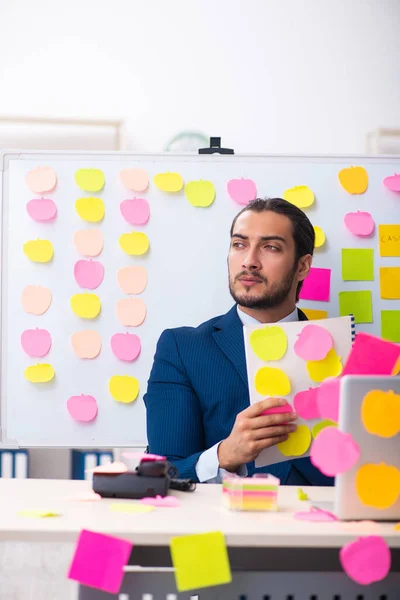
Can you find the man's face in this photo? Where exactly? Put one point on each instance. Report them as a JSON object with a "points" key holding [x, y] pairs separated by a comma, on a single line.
{"points": [[262, 266]]}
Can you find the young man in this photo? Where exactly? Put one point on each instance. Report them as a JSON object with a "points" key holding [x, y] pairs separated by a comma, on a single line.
{"points": [[197, 401]]}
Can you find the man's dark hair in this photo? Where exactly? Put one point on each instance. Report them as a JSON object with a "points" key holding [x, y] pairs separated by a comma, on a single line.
{"points": [[302, 230]]}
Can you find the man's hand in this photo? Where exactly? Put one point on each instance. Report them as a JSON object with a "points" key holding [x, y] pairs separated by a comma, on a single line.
{"points": [[253, 431]]}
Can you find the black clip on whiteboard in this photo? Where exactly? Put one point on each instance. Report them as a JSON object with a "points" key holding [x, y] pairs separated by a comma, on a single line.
{"points": [[215, 148]]}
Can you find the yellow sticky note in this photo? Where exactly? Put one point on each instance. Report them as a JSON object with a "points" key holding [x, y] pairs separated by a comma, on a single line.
{"points": [[378, 485], [200, 193], [297, 443], [302, 496], [319, 236], [390, 283], [124, 388], [168, 182], [272, 382], [40, 251], [380, 413], [397, 527], [330, 366], [200, 561], [269, 343], [86, 306], [300, 195], [90, 180], [40, 373], [134, 243], [131, 508], [90, 209], [321, 425], [389, 240], [38, 514], [314, 315]]}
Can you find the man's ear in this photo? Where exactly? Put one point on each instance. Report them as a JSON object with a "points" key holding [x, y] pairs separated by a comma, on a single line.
{"points": [[304, 267]]}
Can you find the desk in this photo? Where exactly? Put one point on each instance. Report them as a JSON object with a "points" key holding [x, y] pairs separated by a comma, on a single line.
{"points": [[257, 542]]}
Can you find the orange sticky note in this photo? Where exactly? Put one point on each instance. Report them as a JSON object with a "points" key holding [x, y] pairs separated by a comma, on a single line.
{"points": [[200, 561], [380, 413], [389, 240], [313, 314], [378, 485], [390, 283]]}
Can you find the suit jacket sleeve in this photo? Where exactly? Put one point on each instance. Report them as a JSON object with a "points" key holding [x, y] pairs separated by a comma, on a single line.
{"points": [[174, 417]]}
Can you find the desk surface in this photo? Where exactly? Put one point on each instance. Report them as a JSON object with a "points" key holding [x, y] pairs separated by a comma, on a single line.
{"points": [[201, 511]]}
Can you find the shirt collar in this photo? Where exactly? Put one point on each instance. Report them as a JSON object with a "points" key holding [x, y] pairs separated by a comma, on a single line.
{"points": [[249, 320]]}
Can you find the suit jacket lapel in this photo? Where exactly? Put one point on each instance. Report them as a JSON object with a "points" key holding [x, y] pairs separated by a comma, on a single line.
{"points": [[228, 335]]}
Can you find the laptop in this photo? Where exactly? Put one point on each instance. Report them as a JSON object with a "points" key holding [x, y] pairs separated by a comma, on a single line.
{"points": [[373, 449]]}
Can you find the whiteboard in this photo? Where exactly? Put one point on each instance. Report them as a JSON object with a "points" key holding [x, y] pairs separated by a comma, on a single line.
{"points": [[186, 266]]}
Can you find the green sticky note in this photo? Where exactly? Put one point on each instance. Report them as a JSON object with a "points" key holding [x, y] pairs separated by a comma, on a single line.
{"points": [[357, 264], [358, 304], [390, 325], [200, 560]]}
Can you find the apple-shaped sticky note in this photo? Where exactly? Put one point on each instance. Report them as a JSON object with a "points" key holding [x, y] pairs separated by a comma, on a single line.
{"points": [[131, 312], [40, 373], [354, 180], [270, 381], [82, 408], [319, 237], [305, 404], [86, 344], [242, 191], [378, 485], [132, 280], [90, 180], [300, 195], [35, 299], [86, 306], [42, 210], [123, 388], [168, 182], [269, 342], [90, 209], [135, 211], [89, 242], [36, 342], [88, 273], [334, 452], [136, 180], [328, 396], [330, 366], [41, 180], [392, 182], [366, 560], [313, 343], [200, 193], [40, 251], [380, 413], [359, 223], [297, 443], [126, 346], [134, 243]]}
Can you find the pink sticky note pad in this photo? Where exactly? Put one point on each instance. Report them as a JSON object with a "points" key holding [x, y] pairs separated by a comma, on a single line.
{"points": [[334, 452], [242, 191], [82, 408], [99, 560], [167, 502], [285, 408], [305, 404], [313, 343], [359, 223], [42, 210], [136, 211], [315, 514], [370, 355], [36, 342], [126, 346], [366, 560], [392, 182], [317, 285], [328, 395], [89, 273]]}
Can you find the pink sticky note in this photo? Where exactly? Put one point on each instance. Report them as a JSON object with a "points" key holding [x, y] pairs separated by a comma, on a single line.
{"points": [[88, 273], [359, 223], [334, 452], [42, 210], [317, 285], [167, 502], [313, 343], [315, 514], [36, 342], [242, 191], [99, 560], [328, 395], [305, 404], [392, 182], [285, 408], [126, 346], [82, 408], [136, 211], [366, 560], [370, 355]]}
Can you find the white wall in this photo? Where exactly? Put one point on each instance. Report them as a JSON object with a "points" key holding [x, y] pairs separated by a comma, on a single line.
{"points": [[266, 75]]}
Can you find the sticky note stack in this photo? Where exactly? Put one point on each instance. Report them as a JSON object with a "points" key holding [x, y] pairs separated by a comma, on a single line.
{"points": [[259, 492]]}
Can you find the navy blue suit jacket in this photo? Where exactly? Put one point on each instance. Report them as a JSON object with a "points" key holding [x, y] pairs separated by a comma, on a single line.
{"points": [[197, 386]]}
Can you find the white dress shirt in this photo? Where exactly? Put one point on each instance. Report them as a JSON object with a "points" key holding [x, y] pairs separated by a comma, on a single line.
{"points": [[207, 466]]}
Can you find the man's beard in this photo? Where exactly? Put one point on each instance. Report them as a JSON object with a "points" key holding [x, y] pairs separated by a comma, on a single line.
{"points": [[271, 298]]}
